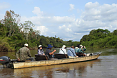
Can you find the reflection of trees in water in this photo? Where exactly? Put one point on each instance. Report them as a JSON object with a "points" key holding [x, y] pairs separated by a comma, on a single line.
{"points": [[36, 72], [45, 73], [3, 53], [67, 70], [9, 54], [6, 72], [49, 74], [81, 69], [76, 69]]}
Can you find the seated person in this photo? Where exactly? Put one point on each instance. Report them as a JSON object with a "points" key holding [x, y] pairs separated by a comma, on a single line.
{"points": [[63, 50], [71, 52], [81, 50], [40, 50], [24, 54], [76, 49], [49, 52]]}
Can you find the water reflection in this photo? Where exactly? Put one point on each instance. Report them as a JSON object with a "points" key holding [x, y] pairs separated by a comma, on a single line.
{"points": [[104, 67], [69, 70], [5, 72], [78, 69], [105, 52]]}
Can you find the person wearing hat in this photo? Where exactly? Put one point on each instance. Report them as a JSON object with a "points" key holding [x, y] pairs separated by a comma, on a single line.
{"points": [[49, 52], [63, 50], [40, 50], [23, 53], [81, 50], [76, 49]]}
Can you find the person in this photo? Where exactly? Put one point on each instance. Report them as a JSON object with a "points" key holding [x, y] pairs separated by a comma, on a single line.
{"points": [[71, 52], [48, 52], [63, 50], [76, 49], [81, 50], [23, 54], [40, 50]]}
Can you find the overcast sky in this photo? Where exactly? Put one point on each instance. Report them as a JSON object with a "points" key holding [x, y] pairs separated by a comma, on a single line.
{"points": [[67, 19]]}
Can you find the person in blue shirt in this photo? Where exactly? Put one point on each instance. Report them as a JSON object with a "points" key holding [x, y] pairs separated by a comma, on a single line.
{"points": [[49, 52], [71, 52]]}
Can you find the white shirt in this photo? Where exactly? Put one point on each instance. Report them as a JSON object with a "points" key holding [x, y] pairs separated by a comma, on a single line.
{"points": [[62, 51]]}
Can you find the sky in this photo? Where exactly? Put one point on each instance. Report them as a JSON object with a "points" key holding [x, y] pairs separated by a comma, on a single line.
{"points": [[67, 19]]}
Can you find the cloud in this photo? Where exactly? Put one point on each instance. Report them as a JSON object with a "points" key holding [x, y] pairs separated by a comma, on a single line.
{"points": [[71, 6], [91, 5], [94, 11], [94, 16], [100, 16], [42, 30], [37, 11], [66, 28]]}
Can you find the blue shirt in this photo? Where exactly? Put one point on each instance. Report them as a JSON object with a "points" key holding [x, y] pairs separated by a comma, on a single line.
{"points": [[47, 53], [71, 52]]}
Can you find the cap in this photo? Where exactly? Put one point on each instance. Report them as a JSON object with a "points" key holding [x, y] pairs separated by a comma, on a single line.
{"points": [[25, 45], [40, 46]]}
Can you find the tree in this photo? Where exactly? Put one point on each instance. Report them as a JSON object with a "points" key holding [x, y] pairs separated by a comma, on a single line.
{"points": [[44, 41], [27, 26], [115, 32], [37, 33], [11, 21], [3, 30]]}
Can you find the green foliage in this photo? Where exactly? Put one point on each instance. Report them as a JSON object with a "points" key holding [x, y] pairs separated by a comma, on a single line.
{"points": [[14, 35], [100, 38], [115, 32], [10, 22], [3, 30]]}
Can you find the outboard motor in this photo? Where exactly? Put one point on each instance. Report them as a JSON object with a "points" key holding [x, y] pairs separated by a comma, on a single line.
{"points": [[4, 60]]}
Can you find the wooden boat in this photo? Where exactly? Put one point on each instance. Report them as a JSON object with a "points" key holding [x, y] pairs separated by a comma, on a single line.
{"points": [[63, 60]]}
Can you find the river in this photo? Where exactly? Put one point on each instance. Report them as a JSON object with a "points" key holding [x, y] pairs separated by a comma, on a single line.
{"points": [[104, 67]]}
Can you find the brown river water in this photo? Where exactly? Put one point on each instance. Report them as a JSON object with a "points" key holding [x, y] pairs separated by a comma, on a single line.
{"points": [[104, 67]]}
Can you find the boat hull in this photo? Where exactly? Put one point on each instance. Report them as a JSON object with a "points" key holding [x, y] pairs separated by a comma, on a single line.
{"points": [[52, 62]]}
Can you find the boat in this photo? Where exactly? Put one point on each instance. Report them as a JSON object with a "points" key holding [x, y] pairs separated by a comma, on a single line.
{"points": [[44, 61]]}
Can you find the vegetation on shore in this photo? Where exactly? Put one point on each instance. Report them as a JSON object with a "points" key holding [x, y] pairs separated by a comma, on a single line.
{"points": [[14, 34], [100, 39]]}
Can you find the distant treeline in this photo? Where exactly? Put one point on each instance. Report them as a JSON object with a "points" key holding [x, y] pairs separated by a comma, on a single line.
{"points": [[13, 35], [100, 39]]}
